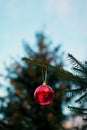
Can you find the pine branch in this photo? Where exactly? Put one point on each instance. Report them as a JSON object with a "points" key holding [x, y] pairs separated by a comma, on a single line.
{"points": [[35, 62], [75, 61], [83, 98], [79, 71], [62, 74], [85, 118], [78, 110], [78, 65], [73, 92]]}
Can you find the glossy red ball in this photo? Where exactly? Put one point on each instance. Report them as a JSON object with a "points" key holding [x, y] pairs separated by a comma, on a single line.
{"points": [[44, 95]]}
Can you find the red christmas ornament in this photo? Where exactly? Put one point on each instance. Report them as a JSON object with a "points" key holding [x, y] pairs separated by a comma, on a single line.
{"points": [[44, 94]]}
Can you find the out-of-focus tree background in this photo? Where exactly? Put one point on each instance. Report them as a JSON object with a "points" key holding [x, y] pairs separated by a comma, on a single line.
{"points": [[21, 110], [65, 22]]}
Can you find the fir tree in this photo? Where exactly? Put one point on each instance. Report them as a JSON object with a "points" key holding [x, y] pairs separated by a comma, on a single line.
{"points": [[21, 110]]}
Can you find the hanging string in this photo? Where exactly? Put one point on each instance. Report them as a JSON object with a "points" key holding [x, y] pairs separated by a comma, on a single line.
{"points": [[44, 75], [45, 79]]}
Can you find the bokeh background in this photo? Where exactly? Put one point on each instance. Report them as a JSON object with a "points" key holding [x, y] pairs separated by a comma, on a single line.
{"points": [[63, 21]]}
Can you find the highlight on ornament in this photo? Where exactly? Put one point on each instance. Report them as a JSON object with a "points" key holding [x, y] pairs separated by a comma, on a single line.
{"points": [[44, 94]]}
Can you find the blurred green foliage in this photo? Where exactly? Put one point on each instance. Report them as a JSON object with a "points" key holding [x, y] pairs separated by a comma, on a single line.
{"points": [[21, 110]]}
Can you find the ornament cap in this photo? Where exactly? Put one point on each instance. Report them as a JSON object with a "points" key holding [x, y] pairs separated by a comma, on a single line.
{"points": [[44, 83]]}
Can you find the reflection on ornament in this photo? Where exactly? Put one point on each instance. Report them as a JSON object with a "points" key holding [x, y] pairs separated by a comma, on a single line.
{"points": [[44, 94]]}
